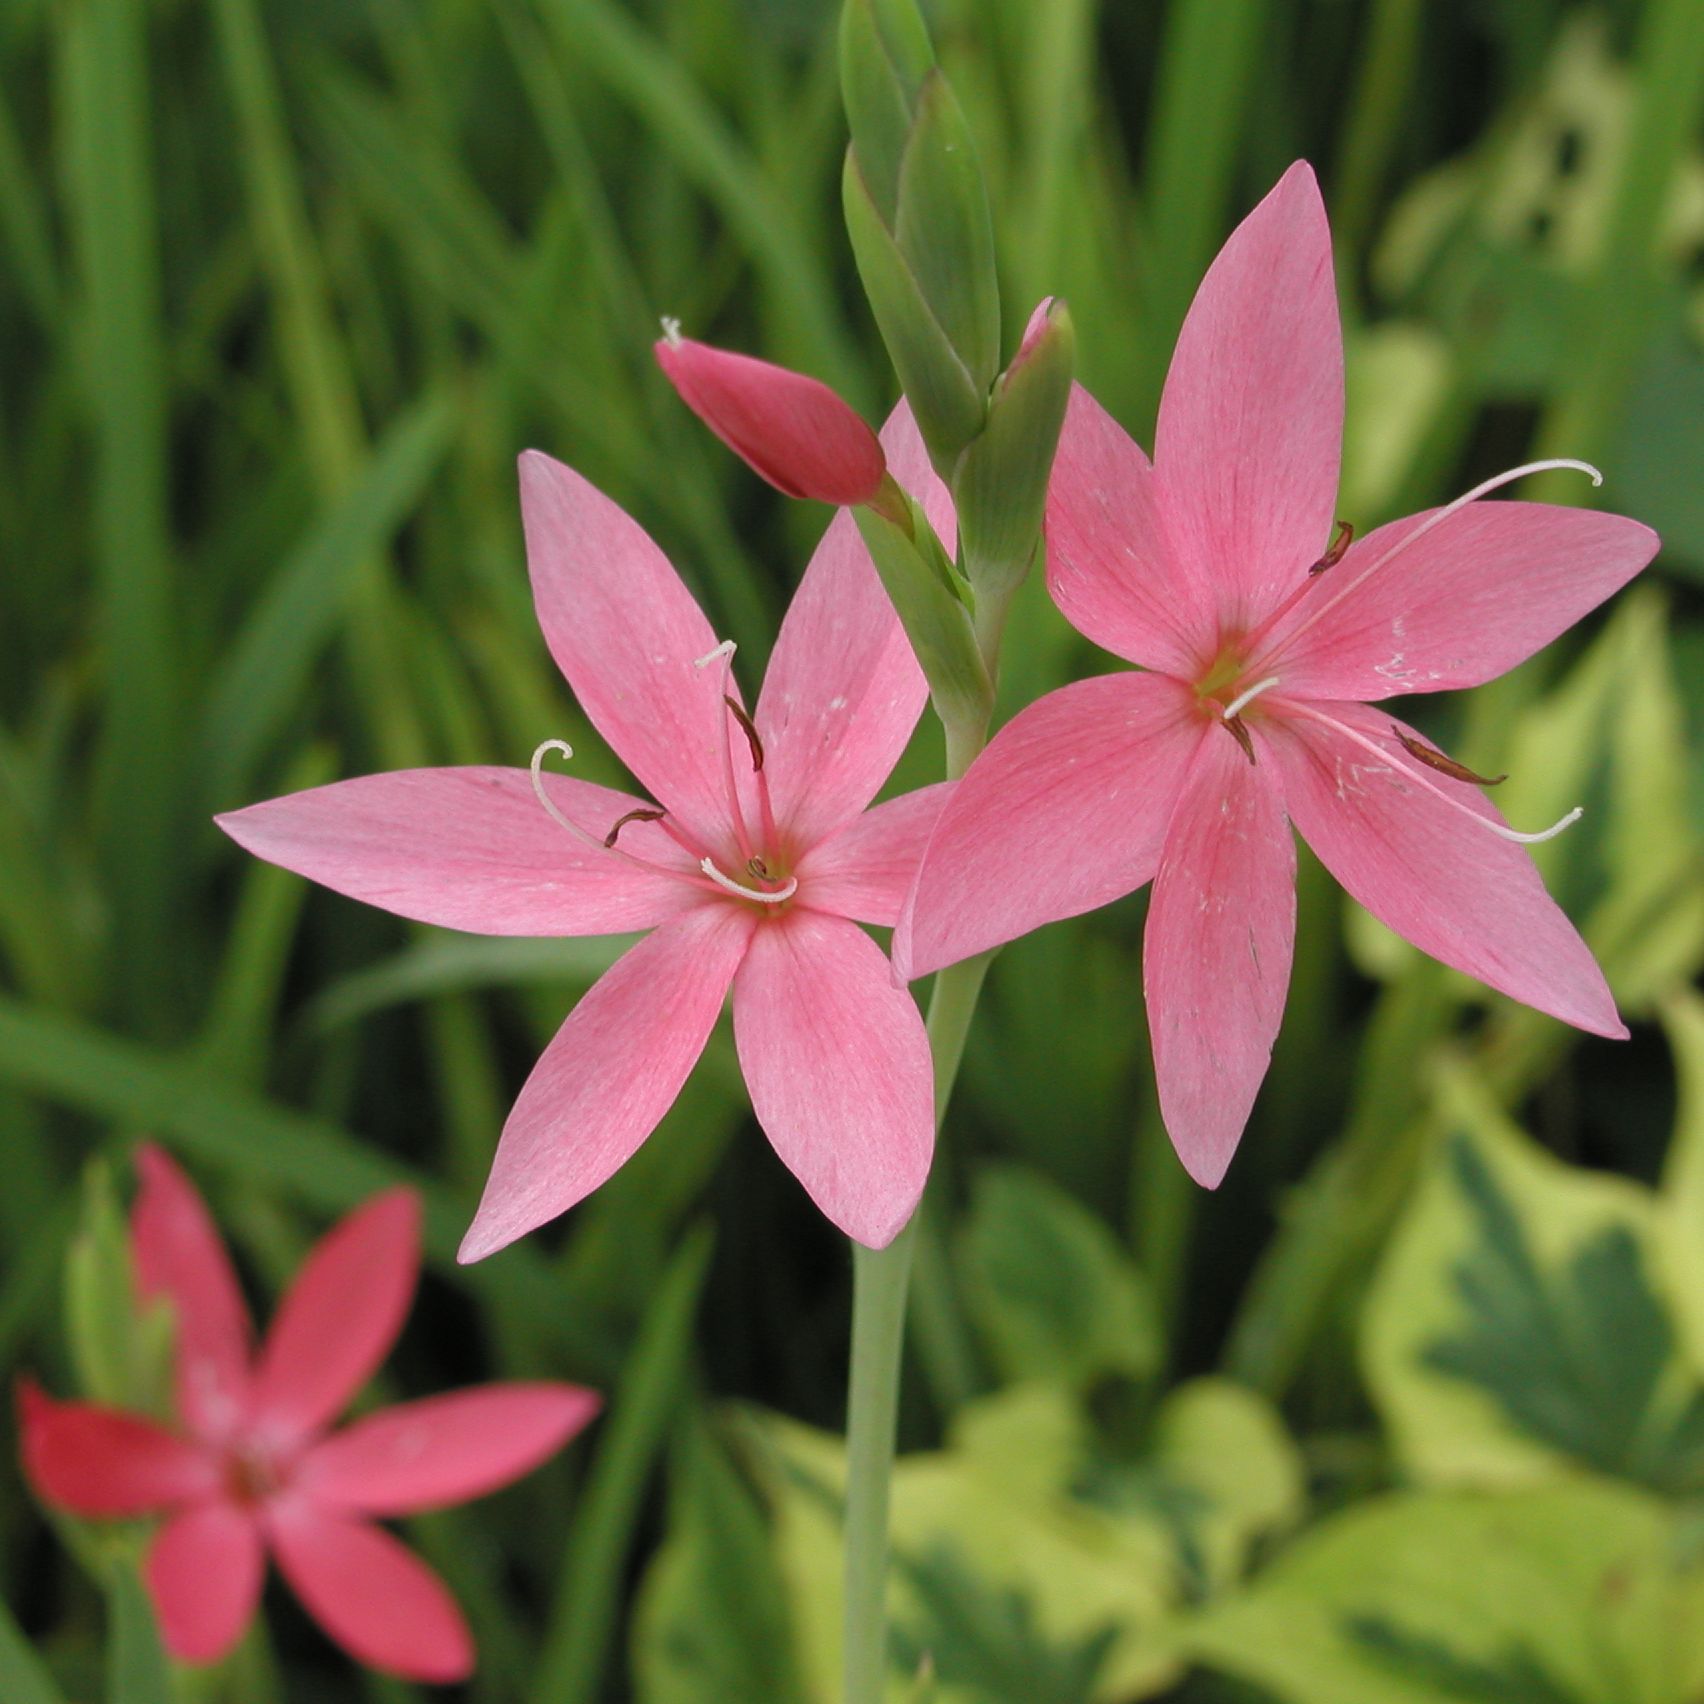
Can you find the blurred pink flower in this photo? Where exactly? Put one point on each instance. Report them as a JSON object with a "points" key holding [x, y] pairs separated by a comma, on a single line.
{"points": [[791, 429], [752, 870], [255, 1470], [1215, 569]]}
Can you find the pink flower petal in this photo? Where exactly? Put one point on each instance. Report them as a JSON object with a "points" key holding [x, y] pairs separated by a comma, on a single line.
{"points": [[791, 429], [340, 1316], [444, 1449], [866, 870], [472, 848], [180, 1259], [1479, 593], [843, 691], [612, 1070], [204, 1571], [1430, 872], [1251, 422], [1064, 811], [377, 1600], [626, 634], [103, 1462], [1110, 568], [838, 1066], [1216, 955]]}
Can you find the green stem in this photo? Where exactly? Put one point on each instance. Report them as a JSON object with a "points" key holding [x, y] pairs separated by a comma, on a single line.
{"points": [[880, 1279]]}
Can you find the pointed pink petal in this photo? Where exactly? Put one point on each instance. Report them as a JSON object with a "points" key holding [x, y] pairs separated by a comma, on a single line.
{"points": [[472, 848], [866, 870], [1216, 954], [103, 1462], [844, 691], [180, 1259], [612, 1070], [340, 1316], [837, 1062], [1251, 422], [1479, 593], [204, 1572], [444, 1449], [377, 1600], [792, 430], [1110, 568], [1431, 873], [1064, 811], [626, 634]]}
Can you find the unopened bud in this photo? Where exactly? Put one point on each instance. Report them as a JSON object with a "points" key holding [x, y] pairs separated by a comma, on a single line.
{"points": [[1001, 486], [792, 430]]}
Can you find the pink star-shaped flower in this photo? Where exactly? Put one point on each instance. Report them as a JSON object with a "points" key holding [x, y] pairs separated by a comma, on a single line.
{"points": [[254, 1468], [1214, 568], [753, 869]]}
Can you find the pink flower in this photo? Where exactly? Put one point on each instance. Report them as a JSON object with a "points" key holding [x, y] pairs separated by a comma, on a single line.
{"points": [[791, 429], [1214, 569], [752, 870], [254, 1469]]}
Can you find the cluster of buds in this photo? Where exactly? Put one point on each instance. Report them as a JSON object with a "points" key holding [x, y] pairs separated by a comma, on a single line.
{"points": [[918, 216]]}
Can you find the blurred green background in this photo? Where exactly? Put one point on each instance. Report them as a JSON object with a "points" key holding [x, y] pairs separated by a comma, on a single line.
{"points": [[1412, 1410]]}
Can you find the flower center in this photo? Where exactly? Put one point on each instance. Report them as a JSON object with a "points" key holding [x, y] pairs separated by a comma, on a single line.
{"points": [[251, 1477]]}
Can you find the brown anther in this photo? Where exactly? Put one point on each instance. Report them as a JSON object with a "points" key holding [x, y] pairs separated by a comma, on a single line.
{"points": [[750, 728], [757, 867], [1234, 726], [1340, 542], [632, 816], [1444, 765]]}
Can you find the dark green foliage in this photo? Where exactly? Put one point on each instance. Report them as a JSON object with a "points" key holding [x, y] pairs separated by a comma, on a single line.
{"points": [[1575, 1358], [986, 1640]]}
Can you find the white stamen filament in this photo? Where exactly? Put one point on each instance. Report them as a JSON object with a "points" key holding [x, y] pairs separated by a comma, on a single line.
{"points": [[1243, 698], [725, 649], [671, 331], [1501, 830], [780, 895], [543, 797], [1340, 591]]}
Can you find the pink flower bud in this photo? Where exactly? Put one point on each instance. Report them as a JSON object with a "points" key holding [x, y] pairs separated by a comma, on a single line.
{"points": [[792, 430]]}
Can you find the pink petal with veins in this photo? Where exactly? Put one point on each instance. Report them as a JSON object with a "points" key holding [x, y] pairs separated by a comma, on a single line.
{"points": [[181, 1260], [866, 870], [1432, 872], [204, 1570], [843, 691], [339, 1317], [1065, 811], [1110, 568], [627, 635], [377, 1600], [1479, 593], [105, 1463], [1216, 954], [613, 1070], [472, 848], [1251, 422], [443, 1449], [838, 1066]]}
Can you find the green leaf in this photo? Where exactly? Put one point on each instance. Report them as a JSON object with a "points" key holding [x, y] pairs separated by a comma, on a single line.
{"points": [[1517, 1320], [711, 1618], [137, 1672], [23, 1679], [1565, 1595], [1053, 1293]]}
